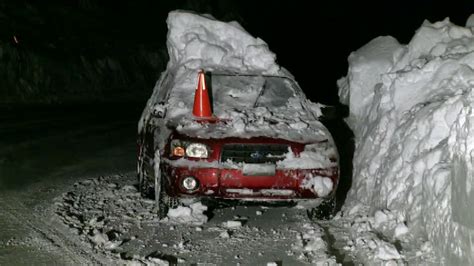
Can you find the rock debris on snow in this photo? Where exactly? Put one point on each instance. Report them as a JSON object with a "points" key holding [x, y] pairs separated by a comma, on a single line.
{"points": [[113, 229]]}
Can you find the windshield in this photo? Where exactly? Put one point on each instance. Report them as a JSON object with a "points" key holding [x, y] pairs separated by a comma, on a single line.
{"points": [[244, 92]]}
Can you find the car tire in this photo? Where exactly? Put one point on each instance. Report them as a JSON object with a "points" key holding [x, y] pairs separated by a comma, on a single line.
{"points": [[324, 211], [165, 202], [162, 206], [146, 186]]}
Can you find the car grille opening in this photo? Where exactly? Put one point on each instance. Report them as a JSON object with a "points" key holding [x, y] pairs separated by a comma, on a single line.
{"points": [[254, 153]]}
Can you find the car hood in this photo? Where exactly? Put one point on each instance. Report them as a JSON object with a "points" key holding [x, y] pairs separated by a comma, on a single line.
{"points": [[293, 124]]}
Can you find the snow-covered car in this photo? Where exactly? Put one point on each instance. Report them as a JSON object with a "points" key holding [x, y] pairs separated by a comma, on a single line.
{"points": [[263, 140]]}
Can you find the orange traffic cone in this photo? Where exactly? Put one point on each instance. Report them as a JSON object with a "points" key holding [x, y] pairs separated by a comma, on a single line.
{"points": [[202, 105]]}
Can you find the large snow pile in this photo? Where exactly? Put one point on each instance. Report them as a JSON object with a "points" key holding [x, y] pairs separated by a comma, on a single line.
{"points": [[200, 42], [196, 41], [411, 110]]}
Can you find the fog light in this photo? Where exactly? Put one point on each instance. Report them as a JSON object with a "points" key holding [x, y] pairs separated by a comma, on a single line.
{"points": [[190, 183]]}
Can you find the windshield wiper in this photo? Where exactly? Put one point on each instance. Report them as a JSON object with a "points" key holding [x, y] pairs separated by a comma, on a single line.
{"points": [[260, 93]]}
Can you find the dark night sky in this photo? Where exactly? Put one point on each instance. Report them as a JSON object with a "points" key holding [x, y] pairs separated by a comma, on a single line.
{"points": [[312, 39], [293, 30]]}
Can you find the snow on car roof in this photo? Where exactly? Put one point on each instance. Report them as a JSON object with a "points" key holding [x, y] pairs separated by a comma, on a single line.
{"points": [[200, 42]]}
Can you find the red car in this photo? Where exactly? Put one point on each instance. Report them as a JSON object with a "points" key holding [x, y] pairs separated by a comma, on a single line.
{"points": [[262, 142]]}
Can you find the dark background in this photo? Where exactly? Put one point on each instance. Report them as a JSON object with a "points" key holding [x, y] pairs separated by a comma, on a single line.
{"points": [[76, 51]]}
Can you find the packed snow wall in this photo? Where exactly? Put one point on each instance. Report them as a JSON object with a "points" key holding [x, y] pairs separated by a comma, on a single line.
{"points": [[411, 110]]}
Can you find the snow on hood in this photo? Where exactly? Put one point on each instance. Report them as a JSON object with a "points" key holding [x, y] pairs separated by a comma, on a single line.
{"points": [[200, 42], [411, 110]]}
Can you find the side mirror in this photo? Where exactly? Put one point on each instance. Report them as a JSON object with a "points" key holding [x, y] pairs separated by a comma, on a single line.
{"points": [[159, 110], [331, 112]]}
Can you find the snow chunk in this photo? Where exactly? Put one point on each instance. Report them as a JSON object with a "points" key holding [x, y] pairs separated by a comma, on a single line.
{"points": [[400, 230], [319, 184], [194, 214], [224, 234], [99, 239], [379, 218], [232, 224], [387, 252]]}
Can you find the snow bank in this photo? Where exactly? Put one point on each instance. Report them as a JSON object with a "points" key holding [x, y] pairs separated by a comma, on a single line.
{"points": [[411, 110]]}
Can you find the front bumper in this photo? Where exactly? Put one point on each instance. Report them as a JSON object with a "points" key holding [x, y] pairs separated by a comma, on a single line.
{"points": [[225, 183]]}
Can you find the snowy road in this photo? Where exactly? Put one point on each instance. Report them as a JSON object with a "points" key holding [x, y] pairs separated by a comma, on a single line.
{"points": [[109, 214], [44, 153]]}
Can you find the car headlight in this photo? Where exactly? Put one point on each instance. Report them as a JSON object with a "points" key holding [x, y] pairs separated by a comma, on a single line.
{"points": [[189, 149], [196, 150]]}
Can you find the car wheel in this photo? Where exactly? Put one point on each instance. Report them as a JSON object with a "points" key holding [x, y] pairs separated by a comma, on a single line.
{"points": [[146, 186], [324, 211], [165, 203], [162, 206]]}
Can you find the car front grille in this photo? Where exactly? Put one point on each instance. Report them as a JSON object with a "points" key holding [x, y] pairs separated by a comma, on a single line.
{"points": [[253, 153]]}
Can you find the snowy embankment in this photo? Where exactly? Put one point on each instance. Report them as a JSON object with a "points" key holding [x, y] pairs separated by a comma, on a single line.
{"points": [[411, 110]]}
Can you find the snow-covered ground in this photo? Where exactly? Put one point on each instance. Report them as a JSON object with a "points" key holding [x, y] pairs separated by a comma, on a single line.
{"points": [[411, 110], [110, 216], [43, 152]]}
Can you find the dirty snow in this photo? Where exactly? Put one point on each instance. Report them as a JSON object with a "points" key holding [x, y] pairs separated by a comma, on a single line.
{"points": [[377, 239], [411, 110], [109, 215]]}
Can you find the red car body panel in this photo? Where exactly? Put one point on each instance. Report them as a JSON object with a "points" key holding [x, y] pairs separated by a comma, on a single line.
{"points": [[230, 183]]}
